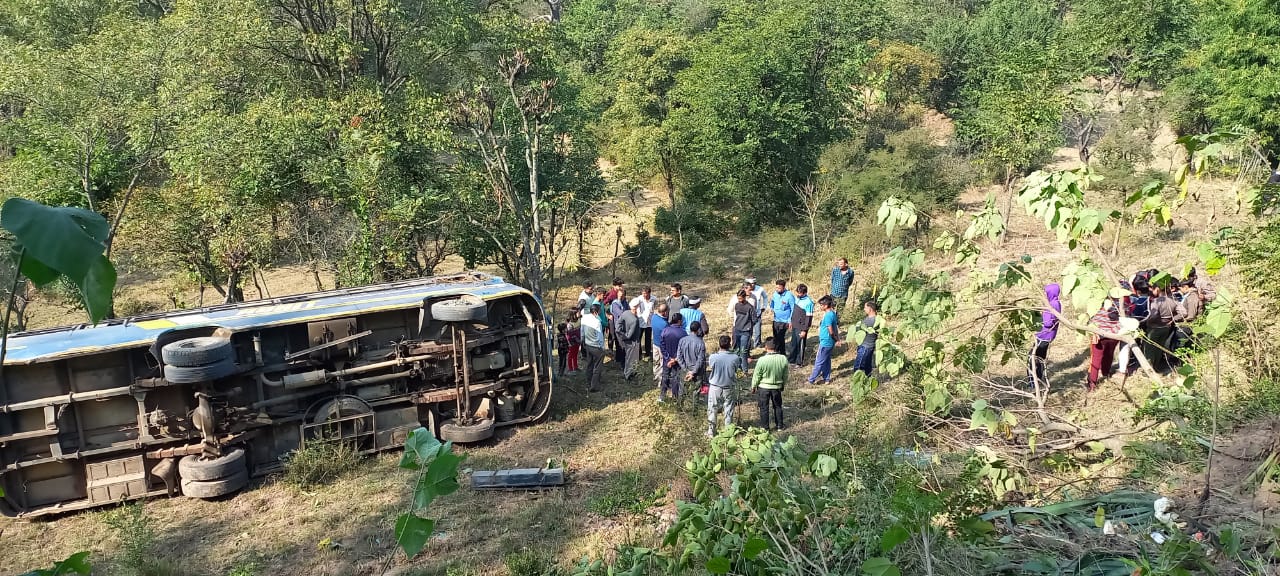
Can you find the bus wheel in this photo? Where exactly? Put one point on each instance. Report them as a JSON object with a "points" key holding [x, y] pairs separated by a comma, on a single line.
{"points": [[466, 308], [193, 468], [194, 374], [197, 351], [215, 488], [451, 431]]}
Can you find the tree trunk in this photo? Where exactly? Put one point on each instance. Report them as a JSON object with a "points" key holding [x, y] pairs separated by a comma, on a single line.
{"points": [[1008, 203], [668, 178]]}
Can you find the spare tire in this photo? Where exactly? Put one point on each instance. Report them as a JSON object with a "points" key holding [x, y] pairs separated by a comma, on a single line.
{"points": [[451, 431], [215, 488], [230, 463], [197, 351], [194, 374], [466, 308]]}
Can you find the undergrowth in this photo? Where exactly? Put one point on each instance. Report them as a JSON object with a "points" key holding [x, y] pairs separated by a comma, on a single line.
{"points": [[319, 463], [626, 493], [137, 554]]}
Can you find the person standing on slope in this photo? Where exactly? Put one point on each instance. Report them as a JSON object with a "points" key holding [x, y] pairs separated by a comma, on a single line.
{"points": [[841, 281], [1037, 378]]}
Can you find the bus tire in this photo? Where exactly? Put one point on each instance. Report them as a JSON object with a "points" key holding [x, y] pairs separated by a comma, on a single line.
{"points": [[467, 308], [194, 374], [229, 464], [193, 352], [451, 431], [215, 488]]}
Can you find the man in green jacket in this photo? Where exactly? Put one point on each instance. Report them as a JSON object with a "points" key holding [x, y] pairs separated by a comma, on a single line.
{"points": [[768, 381]]}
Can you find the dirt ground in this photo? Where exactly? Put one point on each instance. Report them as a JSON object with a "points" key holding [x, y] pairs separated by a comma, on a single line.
{"points": [[345, 528]]}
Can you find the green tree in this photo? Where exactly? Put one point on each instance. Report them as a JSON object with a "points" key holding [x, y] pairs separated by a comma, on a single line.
{"points": [[1231, 76], [1127, 43]]}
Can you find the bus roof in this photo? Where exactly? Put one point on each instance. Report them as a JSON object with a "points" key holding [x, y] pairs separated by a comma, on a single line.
{"points": [[69, 341]]}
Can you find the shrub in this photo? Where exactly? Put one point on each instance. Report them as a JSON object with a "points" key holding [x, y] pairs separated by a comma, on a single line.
{"points": [[780, 252], [319, 463], [645, 254], [677, 263], [137, 535], [530, 563]]}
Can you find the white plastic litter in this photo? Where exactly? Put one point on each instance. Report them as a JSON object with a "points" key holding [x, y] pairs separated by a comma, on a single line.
{"points": [[1158, 537], [1164, 511], [1108, 528]]}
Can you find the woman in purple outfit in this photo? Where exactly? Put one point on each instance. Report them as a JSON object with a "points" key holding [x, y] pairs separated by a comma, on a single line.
{"points": [[1036, 378]]}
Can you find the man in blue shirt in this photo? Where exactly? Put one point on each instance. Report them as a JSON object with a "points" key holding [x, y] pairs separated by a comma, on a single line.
{"points": [[693, 313], [841, 280], [658, 323], [827, 331], [671, 336], [782, 303]]}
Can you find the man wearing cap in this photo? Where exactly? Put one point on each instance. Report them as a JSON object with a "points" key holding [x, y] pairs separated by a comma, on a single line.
{"points": [[693, 313], [757, 293]]}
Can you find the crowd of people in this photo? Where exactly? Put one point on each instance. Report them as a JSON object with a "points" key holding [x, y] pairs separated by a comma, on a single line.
{"points": [[1162, 306], [671, 333]]}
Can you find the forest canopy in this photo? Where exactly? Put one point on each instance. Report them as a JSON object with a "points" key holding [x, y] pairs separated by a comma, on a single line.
{"points": [[374, 139]]}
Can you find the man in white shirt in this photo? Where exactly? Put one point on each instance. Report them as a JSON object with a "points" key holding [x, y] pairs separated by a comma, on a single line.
{"points": [[586, 296], [757, 293], [642, 305], [593, 347]]}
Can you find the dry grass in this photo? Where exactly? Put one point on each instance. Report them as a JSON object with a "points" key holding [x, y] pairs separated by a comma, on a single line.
{"points": [[600, 437]]}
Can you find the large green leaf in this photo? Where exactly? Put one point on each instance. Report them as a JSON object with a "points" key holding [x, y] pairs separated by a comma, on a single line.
{"points": [[63, 241], [895, 535], [879, 566], [754, 547], [441, 478], [413, 532], [77, 563], [718, 565], [419, 448]]}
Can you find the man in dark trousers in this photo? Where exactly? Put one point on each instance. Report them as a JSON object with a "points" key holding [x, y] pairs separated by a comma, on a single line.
{"points": [[670, 346], [627, 330], [782, 303], [744, 322], [801, 318]]}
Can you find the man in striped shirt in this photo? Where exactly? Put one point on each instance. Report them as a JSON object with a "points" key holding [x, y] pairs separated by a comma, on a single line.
{"points": [[841, 280]]}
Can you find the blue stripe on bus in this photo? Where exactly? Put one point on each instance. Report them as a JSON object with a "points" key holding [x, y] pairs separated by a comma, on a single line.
{"points": [[30, 347]]}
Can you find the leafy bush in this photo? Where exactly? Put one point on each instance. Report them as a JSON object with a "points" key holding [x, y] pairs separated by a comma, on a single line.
{"points": [[319, 463], [677, 263], [645, 254], [779, 253], [137, 535], [530, 563]]}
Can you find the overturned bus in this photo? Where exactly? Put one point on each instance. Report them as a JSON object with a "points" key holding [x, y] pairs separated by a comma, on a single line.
{"points": [[197, 401]]}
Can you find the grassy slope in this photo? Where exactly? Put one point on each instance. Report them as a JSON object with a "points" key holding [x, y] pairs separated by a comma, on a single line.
{"points": [[601, 438]]}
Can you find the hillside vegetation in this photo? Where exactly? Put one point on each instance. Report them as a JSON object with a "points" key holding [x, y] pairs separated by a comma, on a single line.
{"points": [[962, 155]]}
